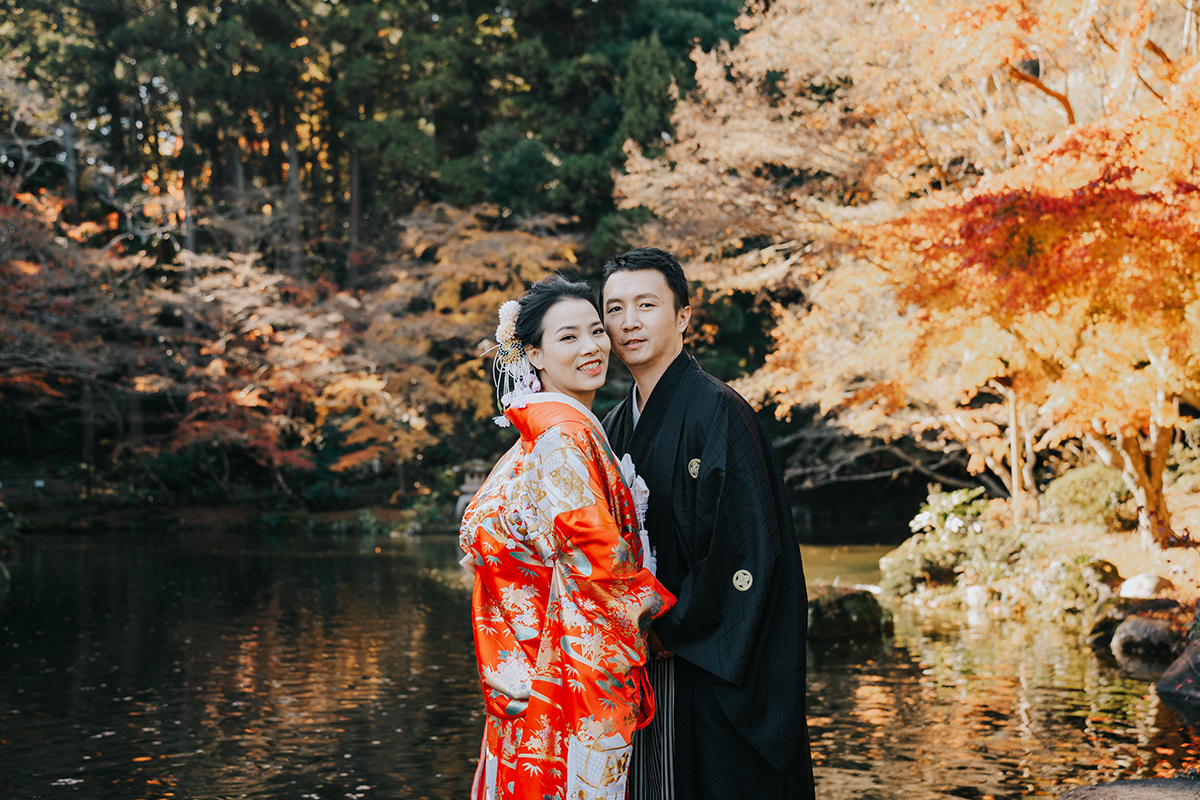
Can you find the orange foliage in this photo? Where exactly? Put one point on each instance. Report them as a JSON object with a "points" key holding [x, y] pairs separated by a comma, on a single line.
{"points": [[983, 218], [277, 368]]}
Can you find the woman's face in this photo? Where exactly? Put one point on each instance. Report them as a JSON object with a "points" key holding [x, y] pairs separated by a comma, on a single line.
{"points": [[573, 357]]}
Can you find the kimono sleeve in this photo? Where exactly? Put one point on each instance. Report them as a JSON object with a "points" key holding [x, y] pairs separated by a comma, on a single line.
{"points": [[598, 558], [738, 502]]}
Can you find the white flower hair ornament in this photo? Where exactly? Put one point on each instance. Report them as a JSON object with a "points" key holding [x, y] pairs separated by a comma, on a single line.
{"points": [[512, 373]]}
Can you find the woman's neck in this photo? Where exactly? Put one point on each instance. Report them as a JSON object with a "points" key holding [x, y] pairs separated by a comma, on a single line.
{"points": [[584, 398]]}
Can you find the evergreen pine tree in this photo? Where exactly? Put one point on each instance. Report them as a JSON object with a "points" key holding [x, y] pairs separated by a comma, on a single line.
{"points": [[646, 102]]}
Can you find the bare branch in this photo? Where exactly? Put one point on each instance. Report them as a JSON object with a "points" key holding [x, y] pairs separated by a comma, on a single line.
{"points": [[1016, 74]]}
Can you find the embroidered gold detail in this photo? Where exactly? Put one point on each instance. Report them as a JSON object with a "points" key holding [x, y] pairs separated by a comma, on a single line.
{"points": [[742, 580], [694, 468]]}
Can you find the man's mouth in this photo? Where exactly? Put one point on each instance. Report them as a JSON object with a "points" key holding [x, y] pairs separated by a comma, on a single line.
{"points": [[633, 342]]}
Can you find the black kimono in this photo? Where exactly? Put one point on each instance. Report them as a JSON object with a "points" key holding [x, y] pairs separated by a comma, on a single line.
{"points": [[722, 529]]}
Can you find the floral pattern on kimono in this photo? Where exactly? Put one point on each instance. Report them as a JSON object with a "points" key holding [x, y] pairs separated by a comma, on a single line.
{"points": [[561, 605]]}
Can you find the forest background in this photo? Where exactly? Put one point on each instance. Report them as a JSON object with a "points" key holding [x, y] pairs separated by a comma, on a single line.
{"points": [[251, 251]]}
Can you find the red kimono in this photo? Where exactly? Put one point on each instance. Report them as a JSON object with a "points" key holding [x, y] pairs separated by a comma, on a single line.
{"points": [[561, 604]]}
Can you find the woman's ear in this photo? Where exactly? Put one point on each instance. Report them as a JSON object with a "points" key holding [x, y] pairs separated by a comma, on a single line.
{"points": [[534, 354]]}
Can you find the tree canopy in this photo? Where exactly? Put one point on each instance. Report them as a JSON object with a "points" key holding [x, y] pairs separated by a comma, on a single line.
{"points": [[978, 224], [333, 118]]}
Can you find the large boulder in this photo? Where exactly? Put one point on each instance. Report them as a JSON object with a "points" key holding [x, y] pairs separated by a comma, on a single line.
{"points": [[1144, 585], [1145, 637], [1144, 646], [836, 612], [1179, 687], [1109, 614]]}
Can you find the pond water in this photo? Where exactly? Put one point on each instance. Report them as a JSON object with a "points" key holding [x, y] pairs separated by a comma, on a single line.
{"points": [[220, 665]]}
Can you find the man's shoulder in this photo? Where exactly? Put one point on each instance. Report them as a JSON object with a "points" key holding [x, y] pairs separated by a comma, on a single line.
{"points": [[714, 396]]}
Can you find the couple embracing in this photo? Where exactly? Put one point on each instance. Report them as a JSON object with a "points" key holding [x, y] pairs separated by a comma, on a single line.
{"points": [[639, 603]]}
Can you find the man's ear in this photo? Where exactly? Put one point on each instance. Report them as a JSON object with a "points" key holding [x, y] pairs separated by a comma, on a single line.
{"points": [[682, 319]]}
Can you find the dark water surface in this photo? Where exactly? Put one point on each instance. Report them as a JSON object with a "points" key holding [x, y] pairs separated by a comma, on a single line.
{"points": [[221, 665]]}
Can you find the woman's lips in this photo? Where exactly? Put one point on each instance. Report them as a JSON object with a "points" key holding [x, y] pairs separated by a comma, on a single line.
{"points": [[590, 367]]}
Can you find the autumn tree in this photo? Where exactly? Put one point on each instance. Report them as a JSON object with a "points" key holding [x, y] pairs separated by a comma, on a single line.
{"points": [[215, 371], [837, 160]]}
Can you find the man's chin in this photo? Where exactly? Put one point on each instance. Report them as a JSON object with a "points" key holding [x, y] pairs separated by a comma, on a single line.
{"points": [[631, 359]]}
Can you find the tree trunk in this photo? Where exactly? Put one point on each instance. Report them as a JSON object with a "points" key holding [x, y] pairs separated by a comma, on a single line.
{"points": [[89, 434], [1190, 19], [189, 203], [235, 179], [316, 174], [71, 166], [295, 247], [1031, 489], [116, 139], [333, 144], [1142, 461], [352, 255], [137, 421], [135, 147], [1014, 458]]}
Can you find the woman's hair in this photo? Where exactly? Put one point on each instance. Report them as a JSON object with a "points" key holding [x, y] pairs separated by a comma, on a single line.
{"points": [[540, 298]]}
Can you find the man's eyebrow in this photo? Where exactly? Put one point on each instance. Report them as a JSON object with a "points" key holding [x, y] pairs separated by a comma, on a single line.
{"points": [[643, 295]]}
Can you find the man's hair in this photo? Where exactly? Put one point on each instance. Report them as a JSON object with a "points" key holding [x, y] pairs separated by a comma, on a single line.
{"points": [[540, 298], [650, 258]]}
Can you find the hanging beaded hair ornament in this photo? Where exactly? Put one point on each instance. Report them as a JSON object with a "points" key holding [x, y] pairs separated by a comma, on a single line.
{"points": [[512, 373]]}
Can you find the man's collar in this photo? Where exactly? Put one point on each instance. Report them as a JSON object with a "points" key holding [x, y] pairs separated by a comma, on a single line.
{"points": [[660, 399]]}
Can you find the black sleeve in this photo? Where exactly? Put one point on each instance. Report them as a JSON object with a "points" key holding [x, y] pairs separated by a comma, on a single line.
{"points": [[737, 527]]}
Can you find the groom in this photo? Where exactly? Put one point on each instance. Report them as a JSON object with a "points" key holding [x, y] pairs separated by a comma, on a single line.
{"points": [[729, 677]]}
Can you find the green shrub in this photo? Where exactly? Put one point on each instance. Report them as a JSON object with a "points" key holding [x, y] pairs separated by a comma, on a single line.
{"points": [[1094, 493]]}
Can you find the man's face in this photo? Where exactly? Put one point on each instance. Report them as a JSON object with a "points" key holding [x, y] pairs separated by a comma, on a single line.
{"points": [[640, 316]]}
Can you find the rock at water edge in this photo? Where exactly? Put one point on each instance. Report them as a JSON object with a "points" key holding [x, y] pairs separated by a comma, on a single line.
{"points": [[1154, 789], [1144, 586], [1179, 687], [838, 613]]}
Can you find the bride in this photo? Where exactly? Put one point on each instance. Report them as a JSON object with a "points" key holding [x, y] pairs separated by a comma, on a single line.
{"points": [[564, 589]]}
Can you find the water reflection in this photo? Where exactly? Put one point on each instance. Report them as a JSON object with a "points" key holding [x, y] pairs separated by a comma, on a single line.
{"points": [[999, 710], [213, 665], [210, 666]]}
